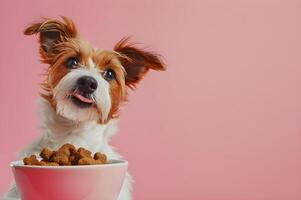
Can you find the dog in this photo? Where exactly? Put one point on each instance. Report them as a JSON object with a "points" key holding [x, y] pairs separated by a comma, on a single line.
{"points": [[83, 90]]}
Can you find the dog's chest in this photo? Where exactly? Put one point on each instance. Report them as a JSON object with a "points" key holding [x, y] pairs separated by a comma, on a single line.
{"points": [[89, 136]]}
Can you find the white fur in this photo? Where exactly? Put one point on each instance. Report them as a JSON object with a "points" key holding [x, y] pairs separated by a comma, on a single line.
{"points": [[101, 96], [57, 130]]}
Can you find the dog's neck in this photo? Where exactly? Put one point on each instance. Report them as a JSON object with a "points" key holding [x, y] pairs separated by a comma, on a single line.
{"points": [[57, 130]]}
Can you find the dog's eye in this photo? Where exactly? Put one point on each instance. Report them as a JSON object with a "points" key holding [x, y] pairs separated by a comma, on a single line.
{"points": [[72, 63], [109, 74]]}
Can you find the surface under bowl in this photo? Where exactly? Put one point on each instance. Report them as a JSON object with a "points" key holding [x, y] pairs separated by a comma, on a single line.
{"points": [[88, 182]]}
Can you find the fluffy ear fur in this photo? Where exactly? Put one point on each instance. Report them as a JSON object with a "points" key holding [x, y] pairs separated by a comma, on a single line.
{"points": [[52, 32], [136, 62]]}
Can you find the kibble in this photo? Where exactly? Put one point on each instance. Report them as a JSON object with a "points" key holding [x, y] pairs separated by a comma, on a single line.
{"points": [[66, 155]]}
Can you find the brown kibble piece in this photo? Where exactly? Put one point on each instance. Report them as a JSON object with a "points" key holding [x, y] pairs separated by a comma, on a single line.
{"points": [[82, 153], [68, 146], [101, 157], [86, 161], [46, 154], [27, 161], [60, 158], [72, 160], [31, 160], [43, 163], [67, 149]]}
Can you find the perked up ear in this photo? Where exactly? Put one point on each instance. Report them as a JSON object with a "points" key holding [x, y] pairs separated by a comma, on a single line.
{"points": [[52, 32], [137, 62]]}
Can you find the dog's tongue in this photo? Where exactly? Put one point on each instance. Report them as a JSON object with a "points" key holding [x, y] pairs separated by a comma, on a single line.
{"points": [[82, 98]]}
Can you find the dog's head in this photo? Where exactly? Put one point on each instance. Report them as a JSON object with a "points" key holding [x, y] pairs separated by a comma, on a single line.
{"points": [[84, 83]]}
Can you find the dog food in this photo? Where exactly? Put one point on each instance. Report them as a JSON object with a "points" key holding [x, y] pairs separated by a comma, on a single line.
{"points": [[66, 155]]}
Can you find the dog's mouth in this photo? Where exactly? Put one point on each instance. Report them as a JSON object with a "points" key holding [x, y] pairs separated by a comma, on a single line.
{"points": [[82, 100]]}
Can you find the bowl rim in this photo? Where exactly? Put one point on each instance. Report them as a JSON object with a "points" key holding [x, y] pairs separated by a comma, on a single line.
{"points": [[112, 163]]}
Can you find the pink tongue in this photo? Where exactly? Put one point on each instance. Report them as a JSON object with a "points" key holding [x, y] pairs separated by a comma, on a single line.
{"points": [[82, 98]]}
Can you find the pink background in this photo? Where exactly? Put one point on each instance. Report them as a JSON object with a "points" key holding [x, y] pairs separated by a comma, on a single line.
{"points": [[222, 123]]}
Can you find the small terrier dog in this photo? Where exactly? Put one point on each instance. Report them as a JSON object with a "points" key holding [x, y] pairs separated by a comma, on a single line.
{"points": [[83, 90]]}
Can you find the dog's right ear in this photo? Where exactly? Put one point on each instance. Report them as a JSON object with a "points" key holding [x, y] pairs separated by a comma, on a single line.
{"points": [[52, 32]]}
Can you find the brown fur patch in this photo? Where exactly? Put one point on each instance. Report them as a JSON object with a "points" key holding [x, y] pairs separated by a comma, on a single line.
{"points": [[137, 61], [52, 32]]}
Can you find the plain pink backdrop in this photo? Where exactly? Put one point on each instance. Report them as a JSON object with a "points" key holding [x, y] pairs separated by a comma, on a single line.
{"points": [[223, 123]]}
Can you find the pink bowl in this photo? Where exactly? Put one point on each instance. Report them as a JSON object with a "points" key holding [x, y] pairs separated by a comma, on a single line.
{"points": [[89, 182]]}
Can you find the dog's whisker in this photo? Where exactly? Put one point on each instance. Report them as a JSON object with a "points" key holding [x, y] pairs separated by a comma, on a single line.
{"points": [[75, 91], [93, 98]]}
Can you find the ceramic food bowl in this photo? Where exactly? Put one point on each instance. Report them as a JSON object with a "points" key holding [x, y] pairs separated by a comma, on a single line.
{"points": [[88, 182]]}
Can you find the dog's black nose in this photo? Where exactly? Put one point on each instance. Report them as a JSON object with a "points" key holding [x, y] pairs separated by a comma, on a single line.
{"points": [[87, 84]]}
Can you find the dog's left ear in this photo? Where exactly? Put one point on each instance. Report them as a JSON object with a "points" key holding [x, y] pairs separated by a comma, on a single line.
{"points": [[137, 62]]}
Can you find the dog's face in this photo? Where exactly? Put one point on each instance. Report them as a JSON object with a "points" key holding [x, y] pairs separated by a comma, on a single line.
{"points": [[84, 83]]}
